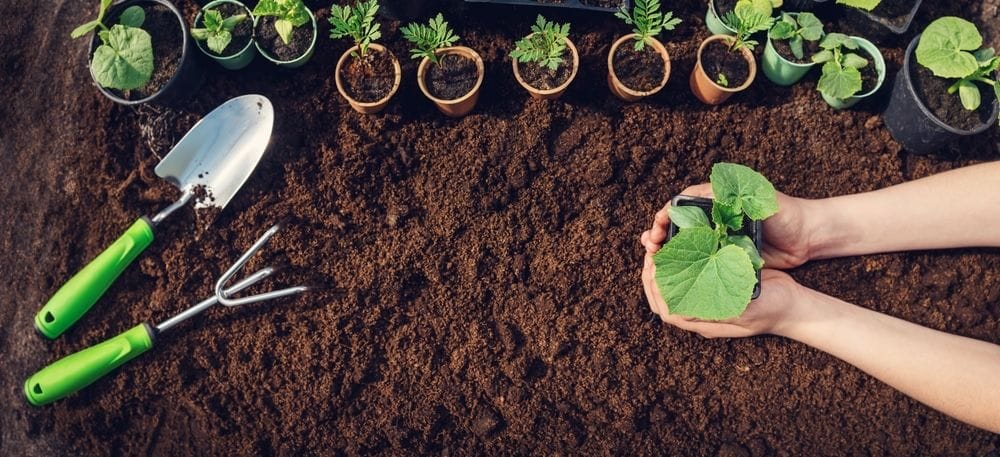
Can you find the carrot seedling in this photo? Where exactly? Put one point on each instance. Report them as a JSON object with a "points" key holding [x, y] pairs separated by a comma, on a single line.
{"points": [[647, 20], [357, 22]]}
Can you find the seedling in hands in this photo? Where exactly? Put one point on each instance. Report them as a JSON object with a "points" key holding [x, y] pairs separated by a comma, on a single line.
{"points": [[806, 28], [218, 31], [708, 270], [866, 5], [545, 46], [841, 69], [647, 20], [288, 14], [746, 19], [357, 22], [124, 60], [427, 39], [951, 47]]}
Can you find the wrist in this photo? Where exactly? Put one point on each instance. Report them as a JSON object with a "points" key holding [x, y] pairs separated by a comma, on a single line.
{"points": [[827, 230], [811, 315]]}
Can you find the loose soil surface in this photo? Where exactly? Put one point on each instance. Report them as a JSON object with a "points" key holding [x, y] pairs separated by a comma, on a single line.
{"points": [[717, 59], [452, 77], [809, 48], [894, 11], [482, 274], [242, 33], [545, 78], [271, 42], [933, 92], [370, 78], [168, 46], [641, 71]]}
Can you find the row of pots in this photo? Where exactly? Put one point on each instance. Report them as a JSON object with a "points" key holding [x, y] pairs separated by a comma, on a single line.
{"points": [[246, 55]]}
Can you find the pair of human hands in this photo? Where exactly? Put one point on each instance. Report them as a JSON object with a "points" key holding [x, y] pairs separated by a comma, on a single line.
{"points": [[786, 245]]}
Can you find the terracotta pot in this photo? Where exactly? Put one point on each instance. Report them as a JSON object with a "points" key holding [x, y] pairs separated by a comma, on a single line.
{"points": [[618, 88], [369, 107], [556, 92], [460, 106], [705, 88]]}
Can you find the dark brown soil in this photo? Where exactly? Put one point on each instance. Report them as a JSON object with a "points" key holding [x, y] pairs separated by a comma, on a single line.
{"points": [[603, 3], [933, 92], [270, 41], [894, 11], [544, 78], [370, 78], [724, 6], [717, 59], [452, 77], [242, 33], [168, 46], [482, 273], [809, 48], [641, 71], [869, 75]]}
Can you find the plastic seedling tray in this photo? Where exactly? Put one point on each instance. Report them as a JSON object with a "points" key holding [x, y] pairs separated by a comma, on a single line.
{"points": [[751, 228], [574, 4], [897, 29]]}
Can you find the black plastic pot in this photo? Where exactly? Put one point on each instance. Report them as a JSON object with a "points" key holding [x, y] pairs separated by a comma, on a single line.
{"points": [[884, 23], [403, 10], [189, 74], [753, 229], [574, 4], [912, 124]]}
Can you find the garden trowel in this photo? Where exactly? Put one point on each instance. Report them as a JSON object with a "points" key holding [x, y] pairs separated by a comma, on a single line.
{"points": [[209, 165]]}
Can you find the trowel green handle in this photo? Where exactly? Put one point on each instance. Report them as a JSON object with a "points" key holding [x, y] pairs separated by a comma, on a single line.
{"points": [[76, 371], [74, 298]]}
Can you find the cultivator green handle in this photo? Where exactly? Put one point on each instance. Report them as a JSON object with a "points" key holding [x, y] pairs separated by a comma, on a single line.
{"points": [[75, 298], [76, 371]]}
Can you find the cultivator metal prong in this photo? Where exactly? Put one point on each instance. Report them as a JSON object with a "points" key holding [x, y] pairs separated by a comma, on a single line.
{"points": [[223, 296]]}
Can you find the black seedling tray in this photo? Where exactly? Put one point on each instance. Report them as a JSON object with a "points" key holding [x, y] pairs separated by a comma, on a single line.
{"points": [[753, 229], [574, 4]]}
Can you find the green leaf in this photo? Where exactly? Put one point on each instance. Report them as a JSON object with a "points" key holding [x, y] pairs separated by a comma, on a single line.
{"points": [[834, 40], [133, 16], [822, 56], [810, 27], [744, 242], [427, 39], [744, 190], [944, 47], [855, 61], [284, 28], [84, 29], [685, 217], [726, 215], [218, 41], [231, 22], [797, 48], [212, 19], [200, 34], [697, 279], [839, 82], [866, 5], [126, 61], [984, 56], [782, 31], [969, 94]]}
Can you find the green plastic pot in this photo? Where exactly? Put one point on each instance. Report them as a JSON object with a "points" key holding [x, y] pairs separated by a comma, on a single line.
{"points": [[242, 58], [298, 61], [714, 23], [876, 55], [780, 70]]}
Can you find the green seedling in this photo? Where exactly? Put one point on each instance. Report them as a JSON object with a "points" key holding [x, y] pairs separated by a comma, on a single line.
{"points": [[866, 5], [357, 22], [545, 46], [217, 32], [647, 20], [722, 80], [746, 19], [288, 15], [797, 31], [124, 60], [708, 270], [951, 47], [841, 69], [427, 39]]}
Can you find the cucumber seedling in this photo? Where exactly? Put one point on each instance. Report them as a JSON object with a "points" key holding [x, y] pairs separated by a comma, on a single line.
{"points": [[647, 20], [357, 22], [427, 39], [546, 45], [951, 47], [288, 15], [124, 60], [797, 30], [217, 32], [841, 76], [708, 270]]}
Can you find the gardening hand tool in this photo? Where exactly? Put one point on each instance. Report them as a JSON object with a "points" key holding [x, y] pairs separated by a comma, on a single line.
{"points": [[213, 159], [76, 371]]}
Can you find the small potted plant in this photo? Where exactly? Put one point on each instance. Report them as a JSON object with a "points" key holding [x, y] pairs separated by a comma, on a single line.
{"points": [[717, 10], [791, 43], [285, 32], [847, 76], [223, 30], [710, 267], [726, 63], [642, 68], [942, 99], [367, 74], [448, 75], [123, 63], [540, 62]]}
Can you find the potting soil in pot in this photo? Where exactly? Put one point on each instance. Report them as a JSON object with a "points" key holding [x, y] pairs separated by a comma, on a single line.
{"points": [[168, 45], [271, 42], [717, 59], [948, 108], [242, 33], [544, 78], [894, 12], [640, 71], [809, 48], [723, 6], [370, 78], [452, 77]]}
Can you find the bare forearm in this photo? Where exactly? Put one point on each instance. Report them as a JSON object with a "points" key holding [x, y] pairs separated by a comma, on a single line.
{"points": [[959, 208], [955, 375]]}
